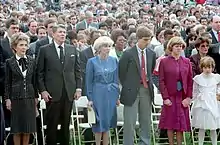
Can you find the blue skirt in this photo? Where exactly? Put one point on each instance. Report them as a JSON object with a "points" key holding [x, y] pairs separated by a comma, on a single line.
{"points": [[2, 124]]}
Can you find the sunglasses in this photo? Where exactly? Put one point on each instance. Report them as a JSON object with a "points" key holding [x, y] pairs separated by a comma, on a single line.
{"points": [[192, 39]]}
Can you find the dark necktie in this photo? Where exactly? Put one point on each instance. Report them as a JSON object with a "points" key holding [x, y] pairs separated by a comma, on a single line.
{"points": [[23, 63], [143, 71], [61, 54]]}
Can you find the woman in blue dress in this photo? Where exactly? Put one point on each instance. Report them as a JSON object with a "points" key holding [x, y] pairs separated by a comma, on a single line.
{"points": [[102, 86]]}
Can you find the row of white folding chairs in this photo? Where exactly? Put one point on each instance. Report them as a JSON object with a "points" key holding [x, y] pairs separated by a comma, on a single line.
{"points": [[81, 103], [157, 105]]}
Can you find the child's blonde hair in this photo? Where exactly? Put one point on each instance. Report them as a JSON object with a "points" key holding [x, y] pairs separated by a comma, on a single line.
{"points": [[207, 62]]}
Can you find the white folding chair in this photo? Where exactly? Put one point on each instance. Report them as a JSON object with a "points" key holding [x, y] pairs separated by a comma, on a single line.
{"points": [[8, 129], [44, 127], [82, 102]]}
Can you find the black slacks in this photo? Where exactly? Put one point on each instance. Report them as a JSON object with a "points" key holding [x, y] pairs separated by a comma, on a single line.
{"points": [[58, 113]]}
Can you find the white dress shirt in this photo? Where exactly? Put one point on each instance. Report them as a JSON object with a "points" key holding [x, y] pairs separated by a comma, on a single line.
{"points": [[58, 49], [140, 57], [50, 39]]}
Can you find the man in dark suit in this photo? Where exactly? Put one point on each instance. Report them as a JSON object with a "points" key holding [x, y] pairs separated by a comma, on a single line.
{"points": [[135, 73], [32, 26], [214, 51], [84, 56], [6, 52], [73, 21], [58, 84], [49, 23]]}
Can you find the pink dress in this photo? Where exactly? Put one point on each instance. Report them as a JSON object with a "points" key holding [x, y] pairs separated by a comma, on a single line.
{"points": [[176, 116]]}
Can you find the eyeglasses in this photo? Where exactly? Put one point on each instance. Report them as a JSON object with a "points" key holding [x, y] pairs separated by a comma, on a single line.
{"points": [[204, 45], [192, 39]]}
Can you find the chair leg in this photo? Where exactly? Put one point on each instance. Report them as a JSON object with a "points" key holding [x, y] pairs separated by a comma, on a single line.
{"points": [[184, 138], [110, 137], [36, 140], [116, 134], [43, 137], [135, 137], [153, 134], [6, 139]]}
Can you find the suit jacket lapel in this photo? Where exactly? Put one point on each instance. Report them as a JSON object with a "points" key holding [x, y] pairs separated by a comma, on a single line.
{"points": [[136, 58], [213, 37], [181, 63], [29, 65], [148, 65], [7, 47], [47, 40], [89, 53], [67, 55], [55, 55], [14, 64]]}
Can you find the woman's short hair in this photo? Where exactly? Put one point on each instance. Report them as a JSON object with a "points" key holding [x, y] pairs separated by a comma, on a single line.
{"points": [[117, 33], [207, 62], [201, 40], [132, 38], [175, 41], [102, 41], [19, 37]]}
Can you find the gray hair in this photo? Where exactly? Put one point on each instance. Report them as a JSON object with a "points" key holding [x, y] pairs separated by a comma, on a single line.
{"points": [[132, 38], [54, 29], [101, 42], [88, 14]]}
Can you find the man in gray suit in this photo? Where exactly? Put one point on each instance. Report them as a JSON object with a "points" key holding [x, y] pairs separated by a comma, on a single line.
{"points": [[87, 23], [135, 73], [41, 33], [59, 82]]}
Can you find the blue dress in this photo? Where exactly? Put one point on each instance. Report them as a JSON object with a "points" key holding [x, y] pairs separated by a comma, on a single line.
{"points": [[102, 86]]}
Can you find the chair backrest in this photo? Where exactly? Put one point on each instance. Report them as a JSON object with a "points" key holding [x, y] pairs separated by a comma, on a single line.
{"points": [[158, 100], [42, 104], [120, 115], [82, 102]]}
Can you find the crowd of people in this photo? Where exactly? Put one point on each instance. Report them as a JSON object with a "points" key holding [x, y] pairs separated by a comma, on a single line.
{"points": [[113, 52]]}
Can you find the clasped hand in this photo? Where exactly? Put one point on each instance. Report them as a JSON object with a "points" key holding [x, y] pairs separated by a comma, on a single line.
{"points": [[185, 102]]}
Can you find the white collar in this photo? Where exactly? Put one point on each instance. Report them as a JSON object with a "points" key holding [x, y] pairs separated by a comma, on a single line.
{"points": [[93, 50], [50, 39], [139, 50], [18, 57], [214, 31], [56, 45]]}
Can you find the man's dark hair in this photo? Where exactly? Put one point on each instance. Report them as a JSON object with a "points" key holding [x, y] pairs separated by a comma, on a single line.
{"points": [[11, 21]]}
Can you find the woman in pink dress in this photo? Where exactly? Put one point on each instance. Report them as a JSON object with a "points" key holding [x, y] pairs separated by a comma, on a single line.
{"points": [[175, 80]]}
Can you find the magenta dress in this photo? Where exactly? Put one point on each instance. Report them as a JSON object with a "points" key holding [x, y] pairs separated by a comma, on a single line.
{"points": [[176, 116]]}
